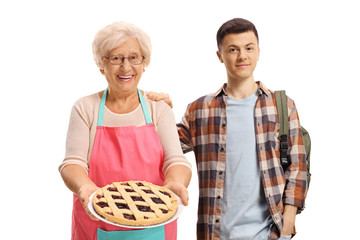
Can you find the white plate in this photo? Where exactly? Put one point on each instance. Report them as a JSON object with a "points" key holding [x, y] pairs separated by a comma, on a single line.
{"points": [[177, 214]]}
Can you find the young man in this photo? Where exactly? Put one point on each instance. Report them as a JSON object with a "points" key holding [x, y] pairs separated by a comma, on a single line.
{"points": [[244, 191]]}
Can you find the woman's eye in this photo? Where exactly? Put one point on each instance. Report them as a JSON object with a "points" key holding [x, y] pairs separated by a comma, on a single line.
{"points": [[133, 57]]}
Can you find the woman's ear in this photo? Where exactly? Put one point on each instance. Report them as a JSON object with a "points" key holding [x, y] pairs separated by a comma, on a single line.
{"points": [[102, 71]]}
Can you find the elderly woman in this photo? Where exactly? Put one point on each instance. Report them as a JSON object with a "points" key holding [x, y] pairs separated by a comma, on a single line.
{"points": [[119, 134]]}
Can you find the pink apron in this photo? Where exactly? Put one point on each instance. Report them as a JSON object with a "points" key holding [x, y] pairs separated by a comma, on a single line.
{"points": [[121, 154]]}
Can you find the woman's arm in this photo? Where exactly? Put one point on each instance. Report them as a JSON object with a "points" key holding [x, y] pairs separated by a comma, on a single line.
{"points": [[76, 179], [177, 169], [74, 168]]}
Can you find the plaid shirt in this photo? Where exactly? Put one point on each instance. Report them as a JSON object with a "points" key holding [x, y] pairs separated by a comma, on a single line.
{"points": [[203, 130]]}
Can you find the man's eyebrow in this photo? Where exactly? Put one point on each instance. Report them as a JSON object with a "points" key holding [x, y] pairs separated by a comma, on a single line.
{"points": [[236, 46], [232, 45]]}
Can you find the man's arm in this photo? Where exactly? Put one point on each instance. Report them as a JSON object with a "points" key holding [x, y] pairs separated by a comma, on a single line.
{"points": [[184, 132], [289, 219], [296, 173]]}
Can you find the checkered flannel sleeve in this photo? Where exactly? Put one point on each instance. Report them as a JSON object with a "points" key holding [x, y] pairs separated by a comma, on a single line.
{"points": [[296, 173]]}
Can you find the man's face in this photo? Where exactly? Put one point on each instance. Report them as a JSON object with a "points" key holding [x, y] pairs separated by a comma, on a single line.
{"points": [[239, 53]]}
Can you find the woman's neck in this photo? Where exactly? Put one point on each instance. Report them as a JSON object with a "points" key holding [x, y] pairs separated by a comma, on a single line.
{"points": [[122, 102]]}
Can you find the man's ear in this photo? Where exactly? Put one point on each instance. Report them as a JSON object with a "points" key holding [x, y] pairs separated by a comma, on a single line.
{"points": [[218, 53]]}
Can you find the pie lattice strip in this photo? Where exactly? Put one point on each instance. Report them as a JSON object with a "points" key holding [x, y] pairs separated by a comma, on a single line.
{"points": [[116, 211], [154, 207], [131, 203], [167, 200]]}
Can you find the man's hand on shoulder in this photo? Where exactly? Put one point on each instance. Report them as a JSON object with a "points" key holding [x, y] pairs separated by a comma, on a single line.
{"points": [[159, 96]]}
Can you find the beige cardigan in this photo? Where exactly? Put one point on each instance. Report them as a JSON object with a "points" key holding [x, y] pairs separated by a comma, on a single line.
{"points": [[83, 123]]}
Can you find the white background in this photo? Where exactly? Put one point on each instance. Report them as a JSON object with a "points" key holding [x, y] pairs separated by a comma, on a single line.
{"points": [[309, 48]]}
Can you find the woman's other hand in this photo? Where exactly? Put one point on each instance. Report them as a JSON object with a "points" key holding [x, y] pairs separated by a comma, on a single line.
{"points": [[177, 179], [84, 193], [180, 190], [159, 96]]}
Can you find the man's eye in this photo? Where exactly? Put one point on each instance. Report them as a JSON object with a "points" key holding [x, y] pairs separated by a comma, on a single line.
{"points": [[250, 48]]}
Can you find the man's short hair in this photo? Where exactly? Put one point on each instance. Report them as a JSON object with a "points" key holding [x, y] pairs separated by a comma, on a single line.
{"points": [[236, 25]]}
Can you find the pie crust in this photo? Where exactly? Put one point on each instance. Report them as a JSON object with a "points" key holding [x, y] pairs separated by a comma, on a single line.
{"points": [[135, 203]]}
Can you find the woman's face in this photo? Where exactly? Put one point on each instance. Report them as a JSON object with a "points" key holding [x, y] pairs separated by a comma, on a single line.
{"points": [[123, 78]]}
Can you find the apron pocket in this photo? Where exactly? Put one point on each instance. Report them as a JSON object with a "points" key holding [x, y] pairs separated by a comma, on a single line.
{"points": [[156, 233]]}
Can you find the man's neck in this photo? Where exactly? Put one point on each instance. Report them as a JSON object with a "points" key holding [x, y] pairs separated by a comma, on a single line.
{"points": [[241, 88]]}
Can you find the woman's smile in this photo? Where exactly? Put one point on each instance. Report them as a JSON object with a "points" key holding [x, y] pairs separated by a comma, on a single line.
{"points": [[125, 78]]}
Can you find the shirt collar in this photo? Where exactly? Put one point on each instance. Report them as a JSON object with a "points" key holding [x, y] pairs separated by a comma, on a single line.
{"points": [[262, 89]]}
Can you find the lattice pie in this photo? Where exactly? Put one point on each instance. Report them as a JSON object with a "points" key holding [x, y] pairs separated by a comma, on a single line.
{"points": [[135, 203]]}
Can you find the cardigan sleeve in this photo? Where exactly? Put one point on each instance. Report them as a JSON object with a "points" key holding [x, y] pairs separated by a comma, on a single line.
{"points": [[166, 130], [78, 137]]}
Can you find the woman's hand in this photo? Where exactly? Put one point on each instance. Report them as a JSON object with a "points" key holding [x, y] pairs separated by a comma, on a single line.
{"points": [[180, 190], [84, 193], [77, 180]]}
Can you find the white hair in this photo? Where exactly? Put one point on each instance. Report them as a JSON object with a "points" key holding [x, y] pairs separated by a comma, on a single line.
{"points": [[115, 34]]}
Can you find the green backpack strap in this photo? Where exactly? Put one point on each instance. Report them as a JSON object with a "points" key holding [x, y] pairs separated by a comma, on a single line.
{"points": [[282, 109]]}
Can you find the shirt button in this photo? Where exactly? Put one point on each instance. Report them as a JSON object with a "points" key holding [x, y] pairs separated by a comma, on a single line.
{"points": [[217, 221], [218, 197], [224, 124], [220, 173], [221, 149]]}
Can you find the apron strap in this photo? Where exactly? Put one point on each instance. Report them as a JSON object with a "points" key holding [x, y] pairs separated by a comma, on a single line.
{"points": [[145, 109], [102, 108]]}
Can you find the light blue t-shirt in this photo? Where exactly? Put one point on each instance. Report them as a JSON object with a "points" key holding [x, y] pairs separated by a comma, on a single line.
{"points": [[245, 214]]}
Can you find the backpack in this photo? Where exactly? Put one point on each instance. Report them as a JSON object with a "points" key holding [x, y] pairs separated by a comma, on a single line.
{"points": [[282, 109]]}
